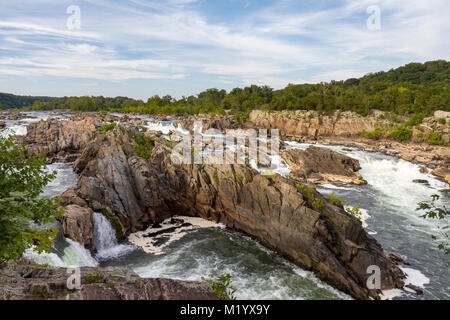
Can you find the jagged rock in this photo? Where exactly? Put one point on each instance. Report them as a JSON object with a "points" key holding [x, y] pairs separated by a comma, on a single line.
{"points": [[77, 224], [139, 192], [272, 210], [113, 284], [70, 196], [320, 165], [2, 124], [345, 128], [62, 141]]}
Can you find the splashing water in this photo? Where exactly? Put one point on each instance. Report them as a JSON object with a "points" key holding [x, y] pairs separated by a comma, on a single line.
{"points": [[105, 242]]}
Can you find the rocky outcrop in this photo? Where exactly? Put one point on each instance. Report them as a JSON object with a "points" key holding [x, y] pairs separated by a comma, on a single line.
{"points": [[311, 124], [320, 165], [62, 141], [138, 191], [28, 282], [77, 224], [443, 173], [344, 128]]}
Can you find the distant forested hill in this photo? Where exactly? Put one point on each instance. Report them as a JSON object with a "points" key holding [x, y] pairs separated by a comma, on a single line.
{"points": [[416, 88], [10, 101]]}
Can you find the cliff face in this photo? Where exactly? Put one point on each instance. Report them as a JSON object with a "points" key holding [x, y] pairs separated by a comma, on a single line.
{"points": [[135, 192]]}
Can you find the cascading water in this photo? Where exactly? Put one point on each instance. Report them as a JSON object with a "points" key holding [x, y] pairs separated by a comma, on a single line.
{"points": [[105, 242]]}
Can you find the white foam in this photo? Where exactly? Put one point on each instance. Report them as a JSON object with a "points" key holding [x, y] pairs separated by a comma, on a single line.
{"points": [[153, 244]]}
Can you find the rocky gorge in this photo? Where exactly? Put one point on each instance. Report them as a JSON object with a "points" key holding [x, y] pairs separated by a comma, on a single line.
{"points": [[136, 189]]}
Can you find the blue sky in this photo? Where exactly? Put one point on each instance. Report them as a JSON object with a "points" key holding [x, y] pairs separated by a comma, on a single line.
{"points": [[139, 48]]}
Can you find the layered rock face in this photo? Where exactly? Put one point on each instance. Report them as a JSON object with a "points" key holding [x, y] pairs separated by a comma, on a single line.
{"points": [[343, 129], [319, 165], [310, 124], [114, 179], [28, 282], [62, 141]]}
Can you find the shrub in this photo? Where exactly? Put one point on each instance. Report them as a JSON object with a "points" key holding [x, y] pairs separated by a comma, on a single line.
{"points": [[107, 127], [415, 120], [334, 201], [222, 286], [143, 146], [442, 121], [400, 133], [434, 138], [375, 134]]}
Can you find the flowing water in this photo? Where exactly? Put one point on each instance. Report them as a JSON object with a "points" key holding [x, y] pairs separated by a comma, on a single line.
{"points": [[389, 201]]}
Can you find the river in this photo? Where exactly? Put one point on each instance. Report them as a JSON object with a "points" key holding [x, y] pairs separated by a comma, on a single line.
{"points": [[389, 200]]}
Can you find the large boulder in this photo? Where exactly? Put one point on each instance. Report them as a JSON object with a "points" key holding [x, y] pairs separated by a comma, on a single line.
{"points": [[139, 191], [320, 165], [77, 224]]}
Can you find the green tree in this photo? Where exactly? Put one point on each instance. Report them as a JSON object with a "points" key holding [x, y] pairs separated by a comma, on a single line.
{"points": [[23, 214], [434, 211]]}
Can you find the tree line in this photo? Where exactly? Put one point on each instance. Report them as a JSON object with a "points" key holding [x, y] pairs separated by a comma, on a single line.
{"points": [[415, 88]]}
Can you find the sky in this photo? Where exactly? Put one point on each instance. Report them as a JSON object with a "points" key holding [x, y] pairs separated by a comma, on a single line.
{"points": [[139, 48]]}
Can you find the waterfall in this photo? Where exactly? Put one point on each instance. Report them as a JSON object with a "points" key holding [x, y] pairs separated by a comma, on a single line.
{"points": [[105, 242]]}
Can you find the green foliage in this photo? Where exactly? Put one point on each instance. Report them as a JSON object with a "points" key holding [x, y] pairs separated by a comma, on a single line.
{"points": [[376, 133], [317, 204], [23, 214], [107, 127], [95, 278], [222, 286], [415, 120], [434, 138], [400, 133], [442, 121], [216, 178], [144, 146], [335, 201], [354, 211], [310, 194], [238, 176], [434, 211]]}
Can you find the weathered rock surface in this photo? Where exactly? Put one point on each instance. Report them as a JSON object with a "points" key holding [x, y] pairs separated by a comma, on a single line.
{"points": [[62, 141], [444, 173], [320, 165], [77, 224], [272, 210], [343, 129], [28, 282]]}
